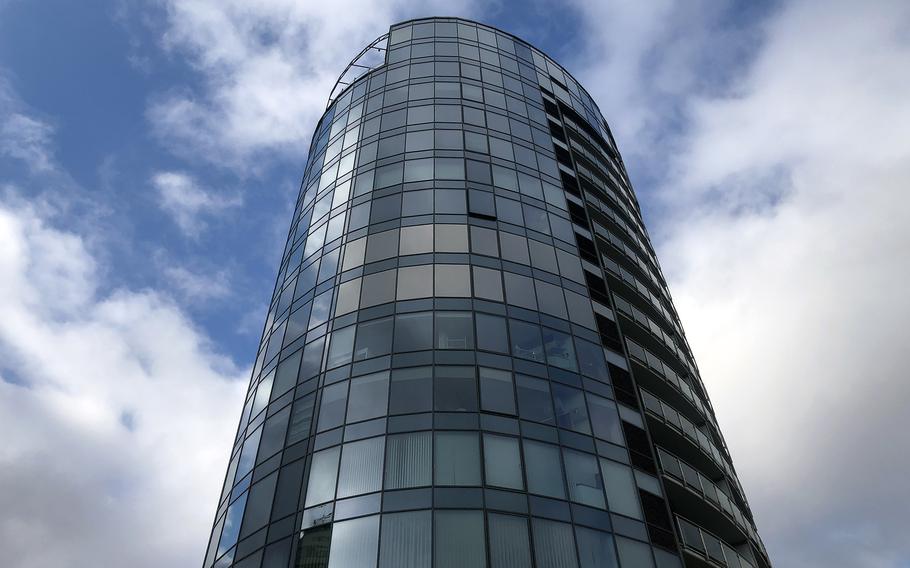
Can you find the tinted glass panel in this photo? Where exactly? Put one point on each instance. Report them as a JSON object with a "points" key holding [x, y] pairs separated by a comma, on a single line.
{"points": [[411, 390], [544, 469], [459, 538], [355, 543], [457, 459], [406, 540], [509, 544]]}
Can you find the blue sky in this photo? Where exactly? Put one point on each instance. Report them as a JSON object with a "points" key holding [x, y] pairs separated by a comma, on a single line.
{"points": [[150, 155]]}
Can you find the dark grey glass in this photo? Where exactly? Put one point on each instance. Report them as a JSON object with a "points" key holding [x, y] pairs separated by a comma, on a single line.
{"points": [[491, 333], [368, 397], [526, 341], [544, 469], [497, 393], [455, 389], [459, 539], [411, 390], [534, 402], [331, 410], [374, 338], [413, 332], [454, 330], [570, 409]]}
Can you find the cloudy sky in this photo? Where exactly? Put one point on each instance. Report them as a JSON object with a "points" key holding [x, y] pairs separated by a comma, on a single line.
{"points": [[149, 159]]}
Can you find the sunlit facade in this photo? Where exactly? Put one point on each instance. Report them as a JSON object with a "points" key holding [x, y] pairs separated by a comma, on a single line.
{"points": [[471, 357]]}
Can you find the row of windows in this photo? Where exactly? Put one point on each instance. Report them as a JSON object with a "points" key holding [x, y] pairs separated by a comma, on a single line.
{"points": [[423, 202], [456, 389], [512, 246], [455, 459], [454, 539]]}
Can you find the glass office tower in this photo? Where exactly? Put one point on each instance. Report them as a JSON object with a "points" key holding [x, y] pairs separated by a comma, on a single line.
{"points": [[471, 358]]}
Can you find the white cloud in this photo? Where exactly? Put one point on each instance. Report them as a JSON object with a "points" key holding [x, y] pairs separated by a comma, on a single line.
{"points": [[784, 229], [267, 69], [23, 137], [196, 286], [186, 201], [117, 413]]}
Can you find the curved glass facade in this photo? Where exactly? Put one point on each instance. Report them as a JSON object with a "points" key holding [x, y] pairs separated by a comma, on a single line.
{"points": [[471, 357]]}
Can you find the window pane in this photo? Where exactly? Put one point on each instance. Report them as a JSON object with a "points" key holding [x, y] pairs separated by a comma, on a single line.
{"points": [[413, 332], [273, 434], [331, 409], [526, 342], [453, 280], [534, 399], [409, 460], [502, 462], [582, 473], [554, 545], [341, 349], [543, 256], [496, 391], [491, 333], [381, 245], [484, 241], [520, 291], [348, 297], [355, 543], [455, 389], [459, 538], [312, 359], [509, 544], [595, 548], [406, 540], [368, 397], [378, 288], [450, 201], [411, 390], [417, 141], [622, 493], [451, 238], [353, 254], [634, 553], [232, 524], [560, 352], [454, 330], [591, 360], [321, 486], [314, 547], [415, 282], [570, 409], [416, 240], [488, 284], [514, 247], [544, 469], [361, 467], [417, 170], [374, 338], [286, 375], [551, 300], [457, 459], [605, 419], [301, 419], [417, 203]]}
